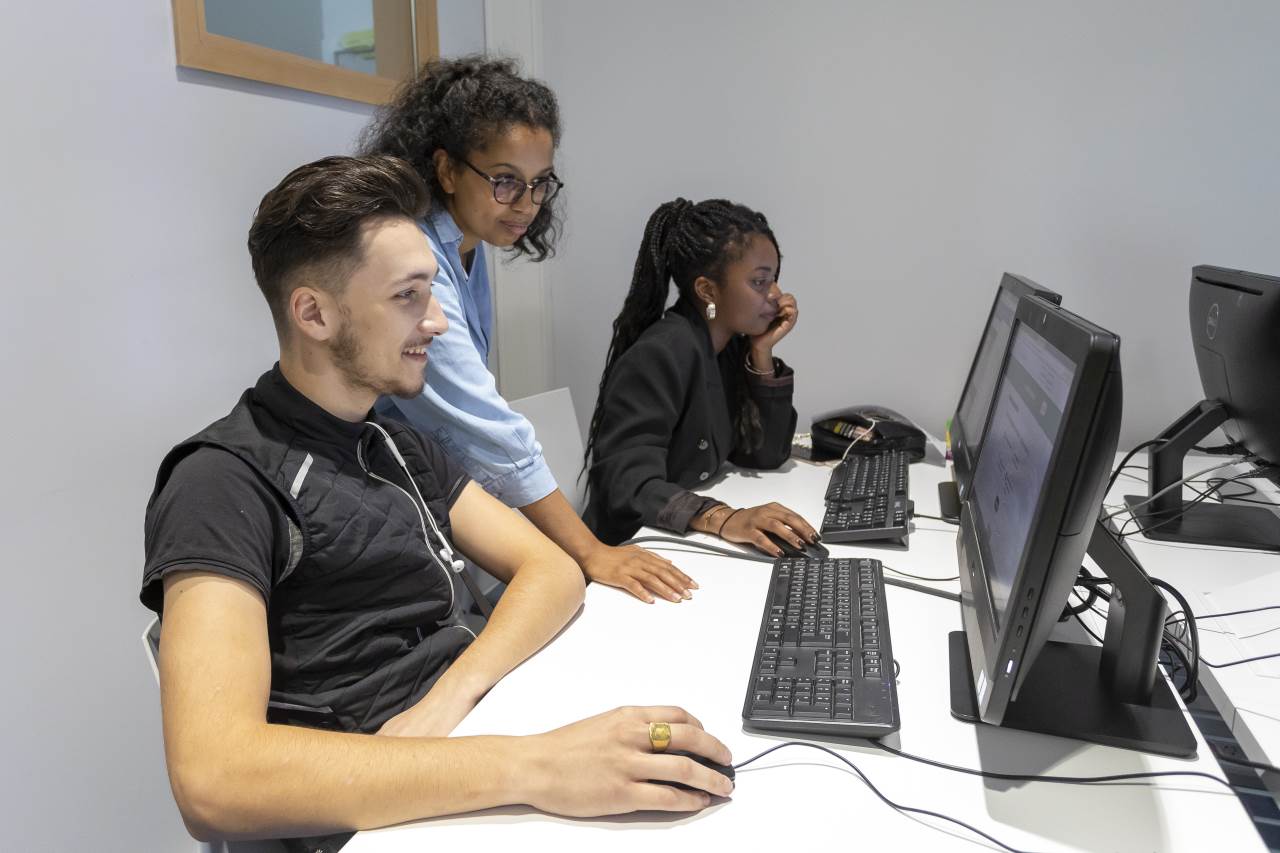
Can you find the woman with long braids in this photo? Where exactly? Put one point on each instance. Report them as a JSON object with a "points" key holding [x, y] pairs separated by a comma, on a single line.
{"points": [[684, 391], [484, 139]]}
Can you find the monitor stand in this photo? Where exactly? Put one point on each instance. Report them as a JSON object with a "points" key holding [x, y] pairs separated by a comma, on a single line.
{"points": [[1171, 519], [1111, 695]]}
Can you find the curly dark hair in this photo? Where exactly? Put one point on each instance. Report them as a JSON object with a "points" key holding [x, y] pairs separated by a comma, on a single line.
{"points": [[312, 219], [683, 241], [459, 106]]}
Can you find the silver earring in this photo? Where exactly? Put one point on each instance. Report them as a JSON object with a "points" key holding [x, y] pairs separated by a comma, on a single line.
{"points": [[711, 310]]}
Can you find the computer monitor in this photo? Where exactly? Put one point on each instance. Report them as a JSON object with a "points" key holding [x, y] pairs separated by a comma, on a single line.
{"points": [[1235, 329], [1029, 516], [970, 419]]}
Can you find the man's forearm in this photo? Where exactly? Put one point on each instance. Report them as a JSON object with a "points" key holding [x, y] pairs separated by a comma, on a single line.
{"points": [[540, 599], [283, 781], [558, 522]]}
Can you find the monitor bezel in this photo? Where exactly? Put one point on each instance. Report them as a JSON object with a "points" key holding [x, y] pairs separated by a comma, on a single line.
{"points": [[1067, 506], [963, 455]]}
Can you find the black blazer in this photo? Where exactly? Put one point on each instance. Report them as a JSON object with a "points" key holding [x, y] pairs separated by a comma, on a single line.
{"points": [[667, 426]]}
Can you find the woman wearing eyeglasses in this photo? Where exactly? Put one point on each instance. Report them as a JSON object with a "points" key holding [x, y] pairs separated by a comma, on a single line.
{"points": [[684, 391], [484, 140]]}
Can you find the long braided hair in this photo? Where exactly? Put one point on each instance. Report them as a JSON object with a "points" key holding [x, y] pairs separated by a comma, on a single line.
{"points": [[683, 241], [460, 105]]}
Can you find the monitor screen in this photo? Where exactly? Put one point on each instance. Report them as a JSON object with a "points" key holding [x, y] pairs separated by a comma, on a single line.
{"points": [[1023, 430], [973, 408], [968, 426]]}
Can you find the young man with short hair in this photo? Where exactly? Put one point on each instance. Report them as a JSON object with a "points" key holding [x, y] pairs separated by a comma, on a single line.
{"points": [[300, 551]]}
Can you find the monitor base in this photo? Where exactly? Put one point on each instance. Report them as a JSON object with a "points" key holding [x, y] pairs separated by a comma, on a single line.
{"points": [[1063, 695], [1224, 525]]}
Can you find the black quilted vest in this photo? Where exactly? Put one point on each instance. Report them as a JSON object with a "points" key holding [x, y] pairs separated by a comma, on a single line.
{"points": [[361, 619]]}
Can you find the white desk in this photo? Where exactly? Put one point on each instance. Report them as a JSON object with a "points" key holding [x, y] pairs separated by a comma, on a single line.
{"points": [[605, 659], [1248, 695]]}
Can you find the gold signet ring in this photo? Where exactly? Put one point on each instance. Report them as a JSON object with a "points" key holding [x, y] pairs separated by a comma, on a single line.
{"points": [[659, 736]]}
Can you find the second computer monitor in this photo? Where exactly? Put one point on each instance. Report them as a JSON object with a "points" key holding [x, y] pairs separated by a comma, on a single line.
{"points": [[1235, 327], [970, 419], [1036, 488]]}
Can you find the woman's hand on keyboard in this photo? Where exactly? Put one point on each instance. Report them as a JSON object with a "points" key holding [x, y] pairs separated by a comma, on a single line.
{"points": [[748, 526]]}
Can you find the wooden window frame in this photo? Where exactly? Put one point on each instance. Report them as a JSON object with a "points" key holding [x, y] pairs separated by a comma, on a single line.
{"points": [[199, 48]]}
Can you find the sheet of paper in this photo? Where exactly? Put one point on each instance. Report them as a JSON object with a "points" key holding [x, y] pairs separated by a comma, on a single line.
{"points": [[1251, 634]]}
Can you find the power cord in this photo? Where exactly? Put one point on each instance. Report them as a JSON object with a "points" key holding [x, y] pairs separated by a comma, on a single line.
{"points": [[1239, 612], [1231, 663], [1110, 779], [1180, 628], [1180, 638], [1232, 449], [920, 577], [1168, 488], [1143, 446], [702, 546], [1179, 513], [743, 555], [1215, 484], [898, 807]]}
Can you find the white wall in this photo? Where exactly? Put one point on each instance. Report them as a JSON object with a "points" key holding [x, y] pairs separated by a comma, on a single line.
{"points": [[906, 154], [130, 320]]}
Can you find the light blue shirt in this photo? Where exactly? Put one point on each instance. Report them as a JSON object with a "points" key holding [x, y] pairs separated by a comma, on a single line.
{"points": [[460, 407]]}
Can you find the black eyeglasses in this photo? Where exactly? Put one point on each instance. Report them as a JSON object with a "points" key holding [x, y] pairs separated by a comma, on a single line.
{"points": [[509, 190]]}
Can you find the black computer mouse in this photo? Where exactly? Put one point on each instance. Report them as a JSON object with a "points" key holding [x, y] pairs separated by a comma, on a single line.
{"points": [[812, 550], [722, 769]]}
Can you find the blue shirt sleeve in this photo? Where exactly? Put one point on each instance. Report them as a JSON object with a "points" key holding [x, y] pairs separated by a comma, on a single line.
{"points": [[461, 409]]}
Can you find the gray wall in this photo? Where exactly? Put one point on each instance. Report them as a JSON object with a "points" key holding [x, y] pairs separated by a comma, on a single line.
{"points": [[130, 320], [906, 154]]}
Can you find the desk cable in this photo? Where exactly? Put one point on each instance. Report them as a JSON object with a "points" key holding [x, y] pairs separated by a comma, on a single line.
{"points": [[1181, 640], [1110, 779], [936, 518], [744, 555], [1176, 485], [1233, 449], [1214, 486], [898, 807]]}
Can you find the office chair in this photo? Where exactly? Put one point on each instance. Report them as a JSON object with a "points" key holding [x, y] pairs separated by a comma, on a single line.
{"points": [[555, 425]]}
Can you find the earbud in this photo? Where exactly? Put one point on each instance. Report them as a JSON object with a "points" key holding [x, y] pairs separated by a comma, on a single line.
{"points": [[454, 562]]}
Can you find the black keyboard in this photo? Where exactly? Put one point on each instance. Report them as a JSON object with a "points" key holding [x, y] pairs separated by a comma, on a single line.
{"points": [[867, 499], [824, 663]]}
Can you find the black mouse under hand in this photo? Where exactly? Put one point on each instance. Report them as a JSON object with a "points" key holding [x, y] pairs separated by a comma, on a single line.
{"points": [[722, 769], [811, 549]]}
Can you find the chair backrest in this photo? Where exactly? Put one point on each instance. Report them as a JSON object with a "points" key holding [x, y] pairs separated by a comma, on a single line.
{"points": [[555, 425], [151, 645]]}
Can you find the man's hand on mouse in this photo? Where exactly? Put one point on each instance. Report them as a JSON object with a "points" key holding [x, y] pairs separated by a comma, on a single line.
{"points": [[749, 526], [607, 765]]}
